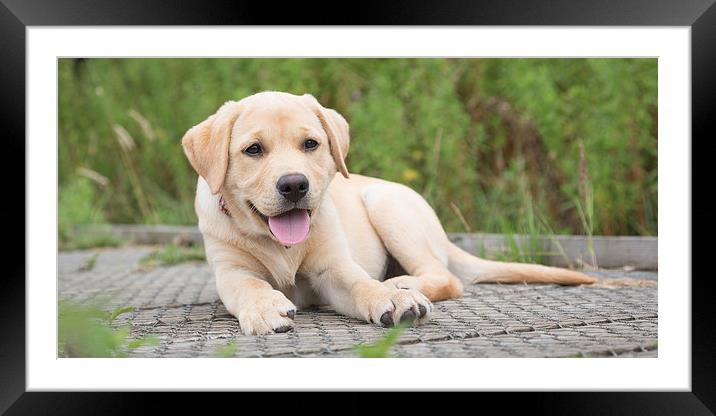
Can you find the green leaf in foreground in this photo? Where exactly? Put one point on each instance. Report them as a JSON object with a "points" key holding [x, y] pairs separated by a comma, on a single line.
{"points": [[136, 343], [119, 311], [85, 331], [227, 350], [381, 348]]}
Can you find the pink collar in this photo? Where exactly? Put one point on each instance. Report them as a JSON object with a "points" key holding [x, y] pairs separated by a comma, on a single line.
{"points": [[222, 205]]}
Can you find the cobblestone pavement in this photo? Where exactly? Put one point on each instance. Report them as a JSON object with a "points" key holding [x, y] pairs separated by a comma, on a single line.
{"points": [[179, 305]]}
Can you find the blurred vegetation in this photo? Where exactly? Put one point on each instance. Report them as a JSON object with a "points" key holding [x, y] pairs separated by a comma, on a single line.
{"points": [[85, 330], [226, 351], [170, 255], [495, 145], [382, 347], [80, 203]]}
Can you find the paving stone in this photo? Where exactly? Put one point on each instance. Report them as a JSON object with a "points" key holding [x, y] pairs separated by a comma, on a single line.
{"points": [[179, 305]]}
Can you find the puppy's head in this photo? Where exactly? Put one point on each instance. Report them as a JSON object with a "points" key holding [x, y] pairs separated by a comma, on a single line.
{"points": [[272, 156]]}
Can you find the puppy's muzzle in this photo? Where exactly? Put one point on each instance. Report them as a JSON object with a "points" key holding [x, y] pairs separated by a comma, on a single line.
{"points": [[293, 186]]}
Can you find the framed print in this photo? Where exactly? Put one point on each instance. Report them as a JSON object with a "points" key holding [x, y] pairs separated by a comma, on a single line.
{"points": [[531, 139]]}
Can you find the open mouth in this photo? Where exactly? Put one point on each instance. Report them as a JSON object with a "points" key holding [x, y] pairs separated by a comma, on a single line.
{"points": [[290, 227]]}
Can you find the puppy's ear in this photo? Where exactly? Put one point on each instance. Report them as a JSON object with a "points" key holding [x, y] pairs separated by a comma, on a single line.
{"points": [[206, 145], [336, 128]]}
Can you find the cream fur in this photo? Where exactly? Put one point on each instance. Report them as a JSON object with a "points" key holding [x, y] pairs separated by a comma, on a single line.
{"points": [[355, 223]]}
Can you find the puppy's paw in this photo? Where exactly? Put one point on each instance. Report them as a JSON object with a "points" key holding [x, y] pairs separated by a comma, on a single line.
{"points": [[435, 288], [390, 306], [269, 312], [403, 282]]}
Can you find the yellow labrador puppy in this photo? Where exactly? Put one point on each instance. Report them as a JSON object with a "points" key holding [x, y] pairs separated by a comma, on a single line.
{"points": [[283, 230]]}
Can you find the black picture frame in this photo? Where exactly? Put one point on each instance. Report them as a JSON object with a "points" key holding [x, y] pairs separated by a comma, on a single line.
{"points": [[16, 15]]}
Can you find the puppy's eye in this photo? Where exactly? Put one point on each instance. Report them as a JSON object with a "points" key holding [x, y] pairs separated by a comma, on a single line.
{"points": [[310, 144], [254, 150]]}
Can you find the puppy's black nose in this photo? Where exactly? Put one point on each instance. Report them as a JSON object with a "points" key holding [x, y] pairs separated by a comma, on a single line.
{"points": [[293, 187]]}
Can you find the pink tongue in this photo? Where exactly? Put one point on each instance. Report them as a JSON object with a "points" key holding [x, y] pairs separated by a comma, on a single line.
{"points": [[290, 228]]}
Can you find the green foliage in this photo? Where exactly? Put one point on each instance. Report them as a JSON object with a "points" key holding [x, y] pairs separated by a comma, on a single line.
{"points": [[381, 348], [81, 241], [609, 105], [227, 350], [78, 204], [85, 331], [172, 254], [495, 139], [115, 313], [91, 262]]}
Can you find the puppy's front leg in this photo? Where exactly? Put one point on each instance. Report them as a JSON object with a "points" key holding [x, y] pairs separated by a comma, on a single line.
{"points": [[259, 308], [350, 291]]}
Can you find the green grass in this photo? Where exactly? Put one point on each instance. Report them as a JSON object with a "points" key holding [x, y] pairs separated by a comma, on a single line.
{"points": [[585, 206], [490, 139], [172, 254], [553, 240], [226, 351], [81, 241], [84, 330], [381, 348], [91, 262], [79, 203]]}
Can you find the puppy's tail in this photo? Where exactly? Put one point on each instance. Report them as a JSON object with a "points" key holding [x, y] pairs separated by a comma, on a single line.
{"points": [[476, 270]]}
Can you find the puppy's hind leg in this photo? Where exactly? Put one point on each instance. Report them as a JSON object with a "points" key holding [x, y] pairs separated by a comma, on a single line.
{"points": [[413, 235]]}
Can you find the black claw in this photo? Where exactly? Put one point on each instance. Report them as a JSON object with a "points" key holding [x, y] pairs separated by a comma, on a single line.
{"points": [[291, 314], [422, 310], [408, 316], [284, 328], [387, 318]]}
